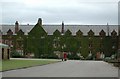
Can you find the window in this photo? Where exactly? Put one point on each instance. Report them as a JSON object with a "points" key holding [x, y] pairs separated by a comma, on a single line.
{"points": [[101, 45], [113, 45], [90, 45]]}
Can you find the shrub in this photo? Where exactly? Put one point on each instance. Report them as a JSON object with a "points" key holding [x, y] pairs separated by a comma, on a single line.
{"points": [[16, 54]]}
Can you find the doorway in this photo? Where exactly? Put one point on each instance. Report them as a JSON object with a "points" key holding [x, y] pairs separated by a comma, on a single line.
{"points": [[8, 53], [2, 53]]}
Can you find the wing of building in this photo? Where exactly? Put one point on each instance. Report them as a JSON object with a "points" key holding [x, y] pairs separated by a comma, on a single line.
{"points": [[95, 38]]}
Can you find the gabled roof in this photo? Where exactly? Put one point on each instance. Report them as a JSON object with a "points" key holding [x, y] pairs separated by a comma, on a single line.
{"points": [[20, 32], [79, 33], [38, 31], [9, 32], [56, 32], [113, 33], [90, 33], [102, 33], [68, 32]]}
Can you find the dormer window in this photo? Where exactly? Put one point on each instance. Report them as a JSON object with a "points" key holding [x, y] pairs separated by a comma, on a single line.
{"points": [[102, 33], [90, 33]]}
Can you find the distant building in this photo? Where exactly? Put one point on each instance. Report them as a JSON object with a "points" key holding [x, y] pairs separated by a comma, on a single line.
{"points": [[5, 54], [51, 38]]}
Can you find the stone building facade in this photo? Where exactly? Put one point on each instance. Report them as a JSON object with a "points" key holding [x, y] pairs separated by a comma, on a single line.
{"points": [[72, 39]]}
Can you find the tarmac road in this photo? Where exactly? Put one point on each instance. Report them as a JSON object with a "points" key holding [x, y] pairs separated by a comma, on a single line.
{"points": [[70, 68]]}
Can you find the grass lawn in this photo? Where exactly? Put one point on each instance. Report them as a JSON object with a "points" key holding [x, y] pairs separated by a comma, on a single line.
{"points": [[0, 65], [15, 64]]}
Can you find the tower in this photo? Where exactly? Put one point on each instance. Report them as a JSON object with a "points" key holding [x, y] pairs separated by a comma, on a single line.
{"points": [[40, 21], [62, 30], [16, 26]]}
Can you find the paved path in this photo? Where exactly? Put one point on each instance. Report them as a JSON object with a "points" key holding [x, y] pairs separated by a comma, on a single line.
{"points": [[70, 68]]}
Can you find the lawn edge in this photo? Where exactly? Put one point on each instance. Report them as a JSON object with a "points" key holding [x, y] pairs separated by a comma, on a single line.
{"points": [[30, 66]]}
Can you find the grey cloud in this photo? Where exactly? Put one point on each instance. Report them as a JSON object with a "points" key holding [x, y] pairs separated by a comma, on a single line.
{"points": [[81, 13]]}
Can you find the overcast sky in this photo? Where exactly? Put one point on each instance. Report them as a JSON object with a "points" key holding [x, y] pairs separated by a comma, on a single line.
{"points": [[55, 11]]}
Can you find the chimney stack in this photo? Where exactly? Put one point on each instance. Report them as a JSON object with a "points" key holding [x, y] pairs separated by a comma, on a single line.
{"points": [[40, 21], [16, 26], [62, 31]]}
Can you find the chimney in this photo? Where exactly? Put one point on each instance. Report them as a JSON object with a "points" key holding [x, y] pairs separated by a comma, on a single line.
{"points": [[40, 21], [62, 31], [16, 26], [108, 29]]}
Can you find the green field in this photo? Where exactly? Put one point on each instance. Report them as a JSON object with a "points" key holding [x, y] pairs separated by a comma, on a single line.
{"points": [[15, 64], [0, 65]]}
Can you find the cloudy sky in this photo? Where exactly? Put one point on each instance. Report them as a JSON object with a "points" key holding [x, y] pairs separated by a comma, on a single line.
{"points": [[56, 11]]}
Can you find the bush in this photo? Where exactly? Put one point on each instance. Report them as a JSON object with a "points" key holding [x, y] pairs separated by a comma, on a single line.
{"points": [[53, 56], [47, 56], [15, 54], [73, 57]]}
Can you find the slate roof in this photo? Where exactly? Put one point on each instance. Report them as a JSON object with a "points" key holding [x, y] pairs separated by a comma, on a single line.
{"points": [[73, 28]]}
